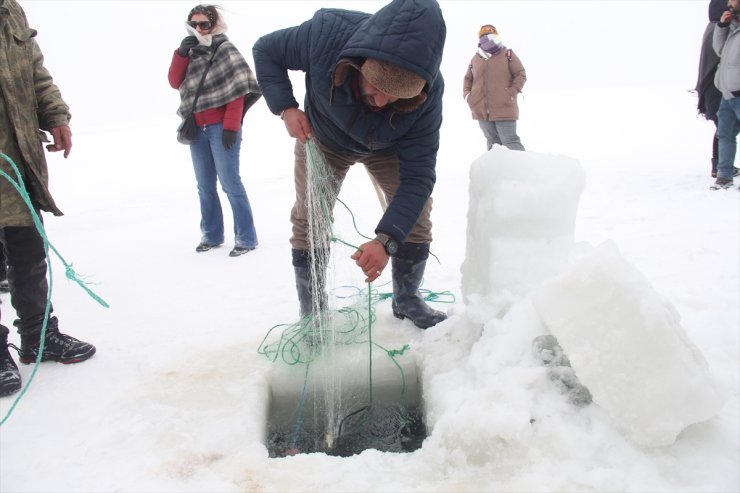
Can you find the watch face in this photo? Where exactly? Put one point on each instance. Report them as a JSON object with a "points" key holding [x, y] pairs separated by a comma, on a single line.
{"points": [[389, 244]]}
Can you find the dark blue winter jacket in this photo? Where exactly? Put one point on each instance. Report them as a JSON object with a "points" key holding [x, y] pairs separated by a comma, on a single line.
{"points": [[406, 33]]}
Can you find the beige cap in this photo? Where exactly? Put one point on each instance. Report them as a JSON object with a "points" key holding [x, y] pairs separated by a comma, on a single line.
{"points": [[392, 79]]}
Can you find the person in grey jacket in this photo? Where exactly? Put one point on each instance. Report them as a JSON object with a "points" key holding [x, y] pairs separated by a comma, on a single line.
{"points": [[29, 102], [726, 42], [708, 96], [491, 85], [373, 95]]}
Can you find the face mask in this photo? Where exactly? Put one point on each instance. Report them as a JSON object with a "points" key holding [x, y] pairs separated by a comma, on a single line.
{"points": [[490, 42]]}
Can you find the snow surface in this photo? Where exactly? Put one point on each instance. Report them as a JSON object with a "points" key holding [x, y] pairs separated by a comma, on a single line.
{"points": [[176, 398]]}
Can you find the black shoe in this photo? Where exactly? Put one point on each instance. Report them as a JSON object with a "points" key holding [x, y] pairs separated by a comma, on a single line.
{"points": [[239, 251], [10, 377], [204, 247], [4, 286], [58, 347], [735, 171]]}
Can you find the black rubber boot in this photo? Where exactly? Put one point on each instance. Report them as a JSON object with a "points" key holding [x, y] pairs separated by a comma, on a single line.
{"points": [[10, 377], [305, 283], [408, 270]]}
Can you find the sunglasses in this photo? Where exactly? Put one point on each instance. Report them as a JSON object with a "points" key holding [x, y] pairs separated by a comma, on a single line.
{"points": [[204, 25]]}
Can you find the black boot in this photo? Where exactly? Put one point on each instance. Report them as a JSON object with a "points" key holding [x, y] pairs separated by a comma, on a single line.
{"points": [[408, 270], [57, 347], [10, 377], [305, 284], [714, 167]]}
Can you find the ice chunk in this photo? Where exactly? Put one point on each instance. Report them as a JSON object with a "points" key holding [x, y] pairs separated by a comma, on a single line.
{"points": [[626, 344], [521, 219]]}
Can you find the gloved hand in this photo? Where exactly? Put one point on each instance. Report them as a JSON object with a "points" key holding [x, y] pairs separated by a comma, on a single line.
{"points": [[187, 43], [228, 138]]}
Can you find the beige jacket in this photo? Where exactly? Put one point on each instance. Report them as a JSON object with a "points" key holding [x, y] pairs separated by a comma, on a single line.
{"points": [[491, 86]]}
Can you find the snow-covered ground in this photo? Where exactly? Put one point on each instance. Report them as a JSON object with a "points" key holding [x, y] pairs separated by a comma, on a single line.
{"points": [[176, 398]]}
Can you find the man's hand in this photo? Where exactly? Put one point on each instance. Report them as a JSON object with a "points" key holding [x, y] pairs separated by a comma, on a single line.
{"points": [[372, 259], [62, 140], [726, 17], [297, 124]]}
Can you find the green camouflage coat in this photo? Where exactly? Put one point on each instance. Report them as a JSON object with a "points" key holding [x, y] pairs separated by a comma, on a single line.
{"points": [[29, 102]]}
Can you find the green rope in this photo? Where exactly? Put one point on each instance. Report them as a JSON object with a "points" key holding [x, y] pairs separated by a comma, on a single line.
{"points": [[20, 187], [69, 271], [354, 222], [392, 353], [438, 297]]}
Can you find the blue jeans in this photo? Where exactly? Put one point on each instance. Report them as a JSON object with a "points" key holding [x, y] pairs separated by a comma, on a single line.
{"points": [[502, 132], [728, 126], [212, 161]]}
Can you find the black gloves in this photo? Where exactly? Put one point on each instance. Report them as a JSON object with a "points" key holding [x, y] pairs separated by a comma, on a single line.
{"points": [[228, 138], [187, 43]]}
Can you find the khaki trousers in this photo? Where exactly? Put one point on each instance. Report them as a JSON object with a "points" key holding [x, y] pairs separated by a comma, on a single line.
{"points": [[384, 168]]}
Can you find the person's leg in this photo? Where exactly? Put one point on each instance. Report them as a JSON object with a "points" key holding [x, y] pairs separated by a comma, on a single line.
{"points": [[309, 267], [728, 126], [489, 132], [29, 288], [10, 377], [409, 263], [316, 188], [29, 293], [715, 150], [211, 214], [4, 286], [3, 268], [506, 130], [227, 168]]}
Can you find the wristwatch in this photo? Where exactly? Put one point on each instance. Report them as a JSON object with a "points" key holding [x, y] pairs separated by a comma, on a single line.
{"points": [[390, 245]]}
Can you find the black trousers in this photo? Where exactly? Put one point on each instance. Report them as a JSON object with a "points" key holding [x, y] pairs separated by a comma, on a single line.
{"points": [[3, 269], [25, 257]]}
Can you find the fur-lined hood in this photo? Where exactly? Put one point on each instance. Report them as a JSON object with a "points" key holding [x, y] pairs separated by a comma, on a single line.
{"points": [[407, 33]]}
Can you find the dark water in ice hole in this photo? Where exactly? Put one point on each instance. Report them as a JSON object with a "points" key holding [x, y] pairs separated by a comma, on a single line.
{"points": [[393, 423]]}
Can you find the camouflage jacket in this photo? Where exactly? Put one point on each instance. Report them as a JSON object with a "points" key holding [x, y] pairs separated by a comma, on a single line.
{"points": [[29, 103]]}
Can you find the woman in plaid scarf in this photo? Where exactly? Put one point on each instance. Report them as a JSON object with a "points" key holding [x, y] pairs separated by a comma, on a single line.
{"points": [[228, 91]]}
